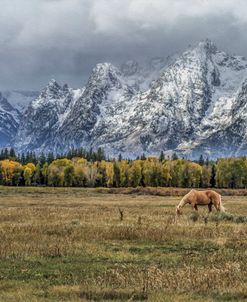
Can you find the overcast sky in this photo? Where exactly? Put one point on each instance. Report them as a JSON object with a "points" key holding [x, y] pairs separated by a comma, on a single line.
{"points": [[64, 39]]}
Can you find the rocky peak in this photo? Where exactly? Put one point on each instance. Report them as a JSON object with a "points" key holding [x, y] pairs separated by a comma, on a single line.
{"points": [[52, 90], [4, 104], [193, 103], [9, 121], [105, 76], [66, 88], [208, 46]]}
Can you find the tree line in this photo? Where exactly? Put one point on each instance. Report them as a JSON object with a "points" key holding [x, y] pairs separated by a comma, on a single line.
{"points": [[31, 157], [81, 168]]}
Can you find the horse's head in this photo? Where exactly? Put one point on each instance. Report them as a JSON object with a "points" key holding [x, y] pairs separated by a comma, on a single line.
{"points": [[178, 210]]}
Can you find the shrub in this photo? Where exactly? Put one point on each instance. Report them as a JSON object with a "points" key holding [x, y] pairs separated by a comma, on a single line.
{"points": [[194, 216], [228, 217]]}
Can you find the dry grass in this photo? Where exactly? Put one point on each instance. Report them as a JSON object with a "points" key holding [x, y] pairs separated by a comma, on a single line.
{"points": [[164, 191], [72, 245]]}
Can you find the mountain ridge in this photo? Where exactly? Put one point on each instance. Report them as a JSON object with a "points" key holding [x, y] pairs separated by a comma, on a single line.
{"points": [[194, 103]]}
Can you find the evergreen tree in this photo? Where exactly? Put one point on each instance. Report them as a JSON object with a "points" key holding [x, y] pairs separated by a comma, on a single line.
{"points": [[162, 156], [18, 158], [34, 158], [50, 157], [174, 156], [27, 157], [201, 160], [42, 159], [116, 177], [6, 153], [143, 157], [100, 154], [1, 175], [1, 155], [213, 177], [89, 155], [12, 154]]}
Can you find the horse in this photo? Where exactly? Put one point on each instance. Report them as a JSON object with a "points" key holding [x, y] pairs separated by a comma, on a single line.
{"points": [[203, 198]]}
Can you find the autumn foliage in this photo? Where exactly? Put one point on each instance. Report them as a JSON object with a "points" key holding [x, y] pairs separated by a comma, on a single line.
{"points": [[145, 172]]}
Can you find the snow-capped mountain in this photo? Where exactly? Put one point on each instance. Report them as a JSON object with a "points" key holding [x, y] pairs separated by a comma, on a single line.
{"points": [[141, 75], [222, 130], [44, 116], [9, 121], [20, 99], [195, 103], [196, 99]]}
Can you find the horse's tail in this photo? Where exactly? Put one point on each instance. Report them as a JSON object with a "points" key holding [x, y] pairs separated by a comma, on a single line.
{"points": [[222, 209]]}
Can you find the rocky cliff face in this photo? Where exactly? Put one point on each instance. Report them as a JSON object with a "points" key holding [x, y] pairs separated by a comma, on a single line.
{"points": [[194, 104], [9, 121], [43, 117], [20, 99]]}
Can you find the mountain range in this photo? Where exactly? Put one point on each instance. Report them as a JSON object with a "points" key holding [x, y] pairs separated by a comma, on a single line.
{"points": [[193, 103]]}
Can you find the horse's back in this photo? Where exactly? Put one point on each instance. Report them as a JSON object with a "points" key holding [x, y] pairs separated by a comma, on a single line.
{"points": [[206, 197], [212, 194], [202, 197]]}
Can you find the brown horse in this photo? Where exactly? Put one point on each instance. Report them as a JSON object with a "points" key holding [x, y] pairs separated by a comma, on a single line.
{"points": [[203, 198]]}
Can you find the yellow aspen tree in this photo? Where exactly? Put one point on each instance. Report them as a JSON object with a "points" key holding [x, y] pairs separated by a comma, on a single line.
{"points": [[135, 173], [123, 167], [27, 176], [11, 172], [79, 171], [109, 173]]}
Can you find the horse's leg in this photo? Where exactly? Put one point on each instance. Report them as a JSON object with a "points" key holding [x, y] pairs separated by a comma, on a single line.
{"points": [[195, 207], [210, 207], [216, 205]]}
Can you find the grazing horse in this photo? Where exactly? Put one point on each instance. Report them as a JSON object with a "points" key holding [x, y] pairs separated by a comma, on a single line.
{"points": [[203, 198]]}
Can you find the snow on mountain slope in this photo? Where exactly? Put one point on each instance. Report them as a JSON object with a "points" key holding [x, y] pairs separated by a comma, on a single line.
{"points": [[20, 99], [9, 119], [193, 103], [44, 116], [191, 100], [87, 119], [141, 76], [230, 137], [227, 78]]}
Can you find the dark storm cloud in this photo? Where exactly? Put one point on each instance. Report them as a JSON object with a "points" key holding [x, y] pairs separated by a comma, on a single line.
{"points": [[64, 39]]}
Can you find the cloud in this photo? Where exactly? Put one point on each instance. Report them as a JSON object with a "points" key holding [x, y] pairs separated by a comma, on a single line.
{"points": [[110, 15], [64, 39]]}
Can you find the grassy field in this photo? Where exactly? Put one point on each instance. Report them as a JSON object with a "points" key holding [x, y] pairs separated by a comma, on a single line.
{"points": [[71, 245]]}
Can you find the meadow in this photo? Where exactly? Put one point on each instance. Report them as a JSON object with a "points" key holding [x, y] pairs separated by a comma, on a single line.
{"points": [[77, 244]]}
